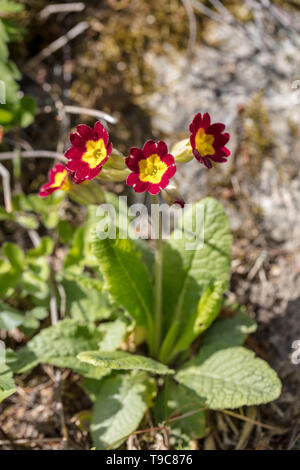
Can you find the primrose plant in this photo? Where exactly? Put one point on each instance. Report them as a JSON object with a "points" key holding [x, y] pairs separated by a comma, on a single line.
{"points": [[141, 325]]}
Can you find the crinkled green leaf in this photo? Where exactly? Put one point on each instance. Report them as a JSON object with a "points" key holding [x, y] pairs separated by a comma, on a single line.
{"points": [[45, 248], [14, 254], [59, 345], [86, 303], [7, 384], [192, 264], [225, 333], [126, 278], [123, 360], [230, 378], [174, 401], [10, 318], [114, 333], [120, 406], [207, 310], [10, 7]]}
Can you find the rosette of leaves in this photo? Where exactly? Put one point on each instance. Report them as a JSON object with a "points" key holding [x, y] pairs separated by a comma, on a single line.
{"points": [[221, 374], [218, 372]]}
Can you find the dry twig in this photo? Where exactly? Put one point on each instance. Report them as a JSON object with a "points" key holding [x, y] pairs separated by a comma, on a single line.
{"points": [[61, 8], [6, 188]]}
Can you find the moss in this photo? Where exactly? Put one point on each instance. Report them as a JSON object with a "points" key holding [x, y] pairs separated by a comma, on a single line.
{"points": [[111, 67], [258, 135]]}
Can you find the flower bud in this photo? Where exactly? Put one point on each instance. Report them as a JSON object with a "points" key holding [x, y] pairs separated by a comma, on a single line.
{"points": [[111, 174], [88, 192], [116, 161], [182, 151], [172, 196]]}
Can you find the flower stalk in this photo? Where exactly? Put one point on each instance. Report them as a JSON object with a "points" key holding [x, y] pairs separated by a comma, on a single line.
{"points": [[158, 279]]}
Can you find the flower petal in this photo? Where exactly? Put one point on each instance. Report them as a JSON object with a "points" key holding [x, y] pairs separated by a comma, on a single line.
{"points": [[149, 148]]}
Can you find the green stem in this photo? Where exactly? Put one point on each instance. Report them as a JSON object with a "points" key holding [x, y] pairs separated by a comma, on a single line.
{"points": [[158, 281]]}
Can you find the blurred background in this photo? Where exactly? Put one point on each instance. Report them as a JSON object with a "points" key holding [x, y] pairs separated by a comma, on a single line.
{"points": [[150, 66]]}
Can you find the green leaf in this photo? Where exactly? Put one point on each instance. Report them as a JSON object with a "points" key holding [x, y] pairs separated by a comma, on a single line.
{"points": [[31, 321], [25, 112], [59, 345], [126, 277], [14, 33], [123, 361], [4, 215], [10, 7], [9, 317], [226, 333], [173, 401], [45, 248], [15, 255], [191, 265], [80, 253], [7, 385], [85, 303], [65, 231], [230, 378], [207, 310], [26, 221], [120, 406], [8, 282], [114, 333]]}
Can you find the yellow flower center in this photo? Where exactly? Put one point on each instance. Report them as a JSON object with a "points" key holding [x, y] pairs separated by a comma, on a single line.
{"points": [[95, 153], [203, 143], [67, 185], [61, 181], [152, 169], [58, 179]]}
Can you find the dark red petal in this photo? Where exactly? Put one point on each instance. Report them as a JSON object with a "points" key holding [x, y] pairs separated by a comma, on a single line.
{"points": [[74, 152], [86, 132], [207, 162], [164, 181], [226, 151], [197, 155], [59, 168], [192, 140], [219, 159], [94, 172], [168, 159], [222, 152], [216, 128], [132, 179], [226, 136], [162, 148], [46, 190], [72, 165], [136, 153], [82, 171], [154, 188], [196, 123], [220, 140], [101, 132], [149, 148], [171, 171], [206, 121], [132, 163], [77, 141], [141, 186]]}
